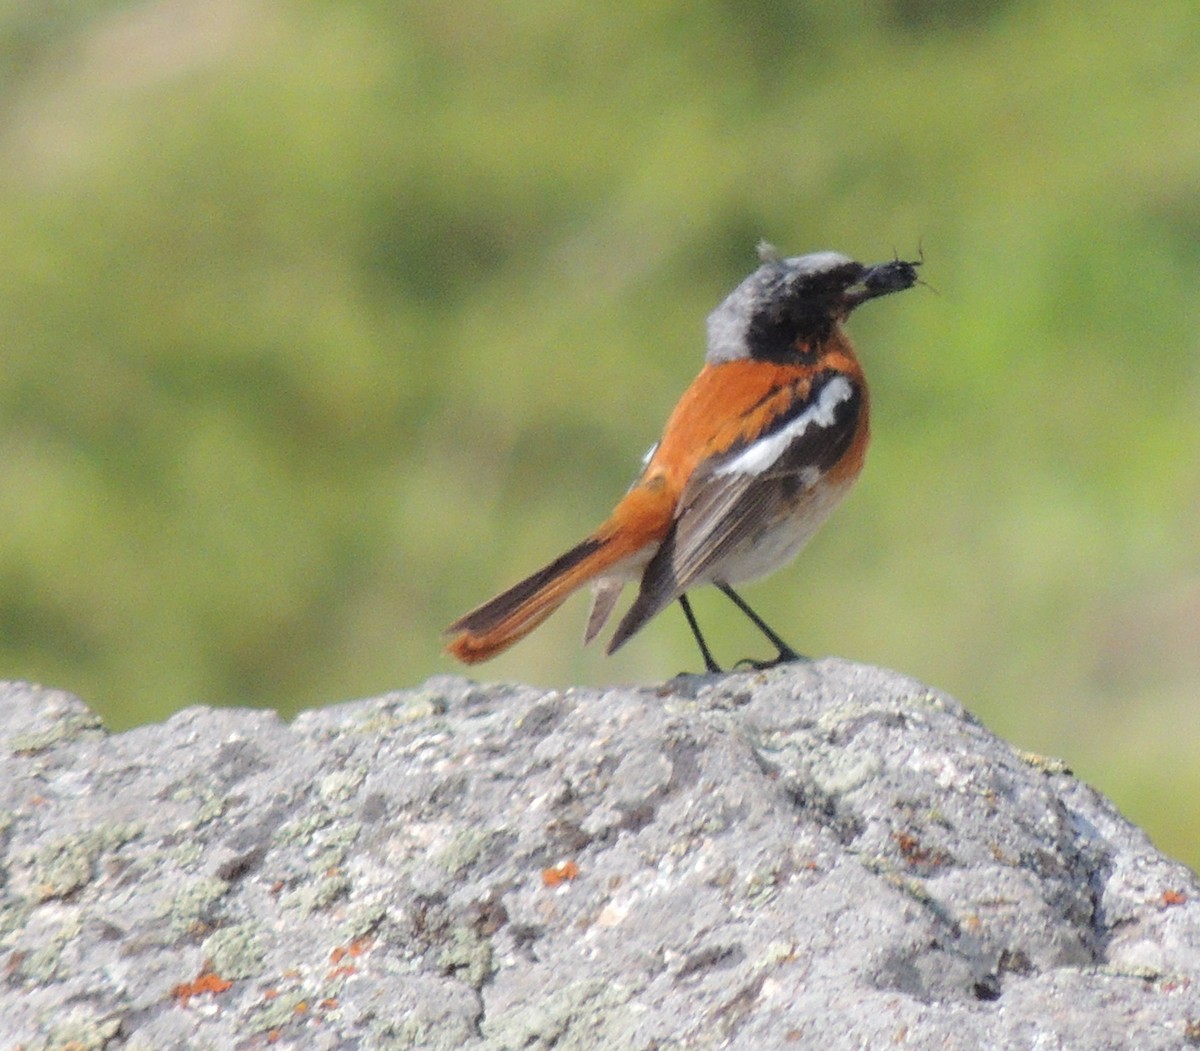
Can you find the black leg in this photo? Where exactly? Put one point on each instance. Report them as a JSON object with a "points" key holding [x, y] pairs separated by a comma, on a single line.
{"points": [[786, 653], [709, 663]]}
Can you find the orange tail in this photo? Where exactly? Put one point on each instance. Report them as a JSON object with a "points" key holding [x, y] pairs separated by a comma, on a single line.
{"points": [[641, 519], [509, 617]]}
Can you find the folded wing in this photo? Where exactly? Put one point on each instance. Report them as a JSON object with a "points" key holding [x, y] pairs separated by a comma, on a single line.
{"points": [[734, 500]]}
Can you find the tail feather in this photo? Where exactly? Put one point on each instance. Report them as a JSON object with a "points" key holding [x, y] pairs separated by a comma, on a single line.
{"points": [[604, 601], [610, 556], [491, 628], [659, 588]]}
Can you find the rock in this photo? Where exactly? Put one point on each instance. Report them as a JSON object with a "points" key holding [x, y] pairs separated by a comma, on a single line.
{"points": [[824, 855]]}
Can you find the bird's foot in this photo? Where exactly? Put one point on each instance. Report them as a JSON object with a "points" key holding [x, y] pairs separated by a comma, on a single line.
{"points": [[784, 657]]}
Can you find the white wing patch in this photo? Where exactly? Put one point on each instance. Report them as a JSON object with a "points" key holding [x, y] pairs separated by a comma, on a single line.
{"points": [[762, 454]]}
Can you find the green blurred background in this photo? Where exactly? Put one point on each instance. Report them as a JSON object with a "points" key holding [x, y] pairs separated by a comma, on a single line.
{"points": [[321, 322]]}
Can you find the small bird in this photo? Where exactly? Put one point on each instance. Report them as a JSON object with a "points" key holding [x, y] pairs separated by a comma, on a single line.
{"points": [[759, 450]]}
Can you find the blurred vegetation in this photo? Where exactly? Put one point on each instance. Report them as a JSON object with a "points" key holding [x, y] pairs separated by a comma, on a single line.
{"points": [[322, 322]]}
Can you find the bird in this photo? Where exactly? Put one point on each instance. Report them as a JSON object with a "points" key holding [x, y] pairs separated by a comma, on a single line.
{"points": [[758, 451]]}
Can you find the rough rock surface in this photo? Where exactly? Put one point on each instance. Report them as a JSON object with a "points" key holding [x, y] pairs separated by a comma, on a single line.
{"points": [[825, 855]]}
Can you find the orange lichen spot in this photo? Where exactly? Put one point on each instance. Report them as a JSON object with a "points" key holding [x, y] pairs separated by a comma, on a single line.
{"points": [[355, 948], [340, 956], [206, 982], [271, 993], [556, 875], [915, 853], [1174, 897], [328, 1004], [273, 1036]]}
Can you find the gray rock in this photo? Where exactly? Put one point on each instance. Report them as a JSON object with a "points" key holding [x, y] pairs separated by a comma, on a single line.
{"points": [[824, 855]]}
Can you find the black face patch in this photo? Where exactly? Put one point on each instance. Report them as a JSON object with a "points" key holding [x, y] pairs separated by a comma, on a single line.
{"points": [[791, 326]]}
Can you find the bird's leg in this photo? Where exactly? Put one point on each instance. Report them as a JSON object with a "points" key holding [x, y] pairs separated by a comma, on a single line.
{"points": [[786, 653], [710, 664]]}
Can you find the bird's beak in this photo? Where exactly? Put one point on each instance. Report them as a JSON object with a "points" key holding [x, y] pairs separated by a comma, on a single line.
{"points": [[880, 280]]}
